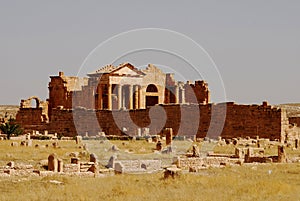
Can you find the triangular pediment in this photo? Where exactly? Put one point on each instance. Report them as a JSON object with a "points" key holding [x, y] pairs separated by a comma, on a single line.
{"points": [[125, 71]]}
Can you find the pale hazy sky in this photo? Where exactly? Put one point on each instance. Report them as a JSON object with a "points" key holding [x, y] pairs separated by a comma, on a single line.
{"points": [[255, 44]]}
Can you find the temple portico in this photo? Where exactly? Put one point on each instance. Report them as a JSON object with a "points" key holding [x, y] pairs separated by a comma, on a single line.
{"points": [[123, 87]]}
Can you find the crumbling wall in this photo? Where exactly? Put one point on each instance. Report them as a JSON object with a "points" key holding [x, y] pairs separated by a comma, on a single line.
{"points": [[62, 122], [241, 121], [33, 118], [61, 91], [197, 92]]}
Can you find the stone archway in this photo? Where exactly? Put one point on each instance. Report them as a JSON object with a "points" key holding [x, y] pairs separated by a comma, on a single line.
{"points": [[27, 103], [151, 88], [151, 95]]}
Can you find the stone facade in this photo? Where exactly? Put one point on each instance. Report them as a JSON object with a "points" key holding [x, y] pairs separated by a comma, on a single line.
{"points": [[241, 121], [123, 87], [33, 118], [120, 101]]}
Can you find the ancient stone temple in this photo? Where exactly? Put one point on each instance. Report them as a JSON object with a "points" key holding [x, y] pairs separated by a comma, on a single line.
{"points": [[123, 87], [124, 100]]}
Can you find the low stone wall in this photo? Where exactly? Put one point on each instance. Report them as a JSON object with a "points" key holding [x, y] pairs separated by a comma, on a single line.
{"points": [[201, 163], [18, 170], [130, 166]]}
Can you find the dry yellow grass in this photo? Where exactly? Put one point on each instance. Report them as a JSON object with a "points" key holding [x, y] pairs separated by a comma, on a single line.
{"points": [[246, 182], [262, 182], [32, 155]]}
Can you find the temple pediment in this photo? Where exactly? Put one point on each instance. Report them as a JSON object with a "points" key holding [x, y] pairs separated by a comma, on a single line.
{"points": [[125, 71]]}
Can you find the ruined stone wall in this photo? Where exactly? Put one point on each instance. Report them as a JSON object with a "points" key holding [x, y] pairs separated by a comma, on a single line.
{"points": [[197, 92], [31, 119], [61, 90], [295, 120], [30, 116], [241, 121], [84, 98], [62, 122]]}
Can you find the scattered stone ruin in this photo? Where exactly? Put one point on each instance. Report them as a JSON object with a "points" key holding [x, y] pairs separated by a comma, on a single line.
{"points": [[128, 95], [247, 150]]}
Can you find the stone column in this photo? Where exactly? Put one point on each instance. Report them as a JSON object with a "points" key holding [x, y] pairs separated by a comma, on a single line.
{"points": [[100, 102], [120, 97], [60, 164], [130, 97], [176, 94], [168, 132], [109, 102], [136, 97], [183, 95], [124, 98], [141, 102], [93, 158]]}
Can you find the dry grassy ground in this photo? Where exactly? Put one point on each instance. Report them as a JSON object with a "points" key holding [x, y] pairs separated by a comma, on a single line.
{"points": [[33, 155], [263, 182], [246, 182]]}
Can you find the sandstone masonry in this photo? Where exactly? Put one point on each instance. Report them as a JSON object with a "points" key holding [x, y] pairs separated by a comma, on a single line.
{"points": [[123, 100]]}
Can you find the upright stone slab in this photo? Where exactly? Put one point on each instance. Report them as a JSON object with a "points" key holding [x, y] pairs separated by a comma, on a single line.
{"points": [[60, 165], [281, 154], [248, 155], [196, 152], [296, 143], [52, 163], [168, 132], [93, 158], [250, 152], [78, 139], [111, 162], [139, 132], [145, 131], [29, 143], [119, 168], [114, 148]]}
